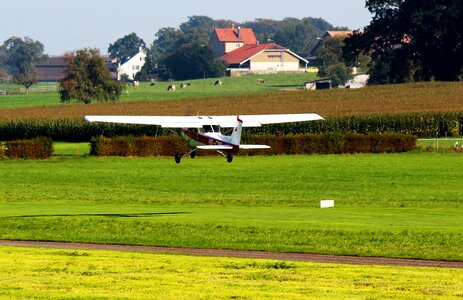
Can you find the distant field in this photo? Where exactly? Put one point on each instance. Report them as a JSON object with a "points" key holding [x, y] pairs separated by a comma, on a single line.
{"points": [[40, 273], [419, 97], [454, 143], [405, 205], [198, 88]]}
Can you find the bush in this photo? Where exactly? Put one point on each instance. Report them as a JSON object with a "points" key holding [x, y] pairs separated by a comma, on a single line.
{"points": [[143, 146], [333, 143], [38, 148]]}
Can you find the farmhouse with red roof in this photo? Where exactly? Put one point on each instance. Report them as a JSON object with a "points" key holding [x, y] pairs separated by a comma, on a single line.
{"points": [[244, 54]]}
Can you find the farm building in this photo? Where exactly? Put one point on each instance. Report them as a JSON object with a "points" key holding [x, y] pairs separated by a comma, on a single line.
{"points": [[52, 69], [244, 54], [226, 40], [132, 66]]}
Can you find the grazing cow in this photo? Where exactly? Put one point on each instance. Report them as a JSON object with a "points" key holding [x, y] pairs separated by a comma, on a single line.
{"points": [[218, 82], [260, 81], [136, 83], [184, 84], [171, 87], [152, 83]]}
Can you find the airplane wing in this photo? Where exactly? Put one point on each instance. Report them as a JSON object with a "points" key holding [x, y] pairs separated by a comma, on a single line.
{"points": [[163, 121], [259, 120], [215, 147], [199, 121]]}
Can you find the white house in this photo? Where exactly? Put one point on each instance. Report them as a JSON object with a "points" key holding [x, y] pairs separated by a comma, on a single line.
{"points": [[132, 66]]}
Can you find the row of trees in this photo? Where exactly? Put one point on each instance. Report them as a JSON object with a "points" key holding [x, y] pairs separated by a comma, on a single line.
{"points": [[411, 40], [170, 55], [179, 53], [17, 58], [406, 41], [87, 77]]}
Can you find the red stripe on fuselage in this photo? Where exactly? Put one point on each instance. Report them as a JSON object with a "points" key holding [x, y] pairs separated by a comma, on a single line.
{"points": [[207, 140]]}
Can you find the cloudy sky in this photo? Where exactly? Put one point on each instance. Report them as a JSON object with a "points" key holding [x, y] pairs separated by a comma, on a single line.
{"points": [[69, 25]]}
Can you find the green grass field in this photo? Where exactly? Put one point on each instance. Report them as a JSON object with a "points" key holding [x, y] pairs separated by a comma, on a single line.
{"points": [[391, 205], [199, 88], [396, 205], [442, 144], [68, 274]]}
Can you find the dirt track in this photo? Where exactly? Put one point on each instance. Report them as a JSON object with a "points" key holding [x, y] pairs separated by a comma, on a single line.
{"points": [[245, 254]]}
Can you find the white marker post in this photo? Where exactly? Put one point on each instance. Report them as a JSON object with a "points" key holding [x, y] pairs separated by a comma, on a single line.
{"points": [[326, 203]]}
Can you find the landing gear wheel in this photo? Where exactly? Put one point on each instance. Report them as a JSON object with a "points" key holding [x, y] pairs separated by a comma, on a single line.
{"points": [[229, 157], [193, 154], [177, 158]]}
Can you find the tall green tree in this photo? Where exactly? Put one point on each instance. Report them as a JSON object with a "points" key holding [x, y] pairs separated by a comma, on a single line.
{"points": [[204, 23], [299, 35], [87, 78], [20, 55], [166, 40], [333, 65], [194, 61], [331, 50], [412, 40], [126, 47]]}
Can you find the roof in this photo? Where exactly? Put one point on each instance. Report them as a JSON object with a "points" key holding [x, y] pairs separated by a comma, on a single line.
{"points": [[246, 52], [338, 33], [53, 68], [52, 61], [246, 35]]}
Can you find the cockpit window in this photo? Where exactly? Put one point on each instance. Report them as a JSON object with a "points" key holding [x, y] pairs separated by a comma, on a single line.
{"points": [[211, 128]]}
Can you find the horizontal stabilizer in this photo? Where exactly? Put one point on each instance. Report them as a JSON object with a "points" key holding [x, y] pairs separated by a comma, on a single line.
{"points": [[254, 147], [215, 147]]}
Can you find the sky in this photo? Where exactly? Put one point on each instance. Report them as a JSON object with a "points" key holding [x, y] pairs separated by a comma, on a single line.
{"points": [[70, 25]]}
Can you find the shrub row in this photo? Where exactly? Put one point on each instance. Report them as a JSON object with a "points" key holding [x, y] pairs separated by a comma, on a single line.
{"points": [[418, 124], [332, 143], [37, 148], [143, 146]]}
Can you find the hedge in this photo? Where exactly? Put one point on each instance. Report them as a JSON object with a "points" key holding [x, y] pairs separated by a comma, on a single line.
{"points": [[418, 124], [332, 143], [143, 146], [37, 148]]}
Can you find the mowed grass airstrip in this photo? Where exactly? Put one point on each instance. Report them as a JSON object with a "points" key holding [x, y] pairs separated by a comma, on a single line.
{"points": [[392, 205]]}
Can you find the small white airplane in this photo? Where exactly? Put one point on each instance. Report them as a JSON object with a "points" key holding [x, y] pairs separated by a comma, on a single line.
{"points": [[204, 132]]}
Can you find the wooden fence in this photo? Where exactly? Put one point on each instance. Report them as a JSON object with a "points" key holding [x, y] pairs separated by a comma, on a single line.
{"points": [[32, 90]]}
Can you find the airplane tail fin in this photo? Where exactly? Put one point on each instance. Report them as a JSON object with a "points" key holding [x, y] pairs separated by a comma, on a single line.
{"points": [[236, 135]]}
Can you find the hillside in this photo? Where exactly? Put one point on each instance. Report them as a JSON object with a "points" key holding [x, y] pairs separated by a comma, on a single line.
{"points": [[197, 88], [419, 97]]}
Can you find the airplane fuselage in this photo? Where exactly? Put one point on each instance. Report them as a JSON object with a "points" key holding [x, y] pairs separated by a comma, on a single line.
{"points": [[195, 138]]}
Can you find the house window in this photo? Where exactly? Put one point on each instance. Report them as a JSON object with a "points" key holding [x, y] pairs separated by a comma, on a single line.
{"points": [[274, 56], [136, 67]]}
